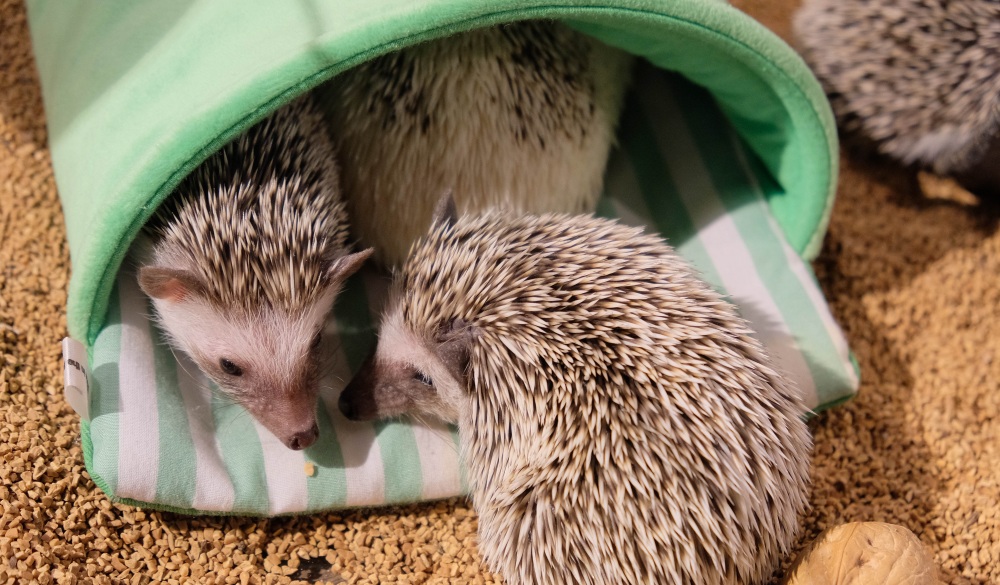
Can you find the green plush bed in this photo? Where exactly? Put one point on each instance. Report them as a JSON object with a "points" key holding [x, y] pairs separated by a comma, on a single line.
{"points": [[726, 147]]}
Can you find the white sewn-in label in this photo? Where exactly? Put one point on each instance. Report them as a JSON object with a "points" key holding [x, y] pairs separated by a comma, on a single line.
{"points": [[76, 382]]}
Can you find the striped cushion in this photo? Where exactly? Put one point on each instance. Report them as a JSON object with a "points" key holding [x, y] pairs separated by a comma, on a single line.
{"points": [[159, 436]]}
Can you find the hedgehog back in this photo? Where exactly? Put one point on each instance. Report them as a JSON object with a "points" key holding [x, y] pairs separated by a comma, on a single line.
{"points": [[624, 425]]}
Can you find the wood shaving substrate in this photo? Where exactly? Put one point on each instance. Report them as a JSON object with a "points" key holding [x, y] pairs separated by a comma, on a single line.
{"points": [[911, 267]]}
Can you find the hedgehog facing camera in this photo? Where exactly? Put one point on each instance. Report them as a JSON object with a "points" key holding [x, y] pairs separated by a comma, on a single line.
{"points": [[619, 422], [243, 264]]}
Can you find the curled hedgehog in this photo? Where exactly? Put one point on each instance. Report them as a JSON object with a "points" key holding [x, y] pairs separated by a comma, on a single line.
{"points": [[917, 79], [497, 115], [619, 422], [243, 264]]}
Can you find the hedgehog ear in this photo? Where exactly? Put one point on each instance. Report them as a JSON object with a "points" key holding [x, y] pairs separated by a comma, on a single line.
{"points": [[445, 212], [454, 348], [169, 284], [343, 267]]}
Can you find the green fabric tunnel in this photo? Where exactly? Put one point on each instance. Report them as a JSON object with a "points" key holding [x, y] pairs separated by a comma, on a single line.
{"points": [[137, 94]]}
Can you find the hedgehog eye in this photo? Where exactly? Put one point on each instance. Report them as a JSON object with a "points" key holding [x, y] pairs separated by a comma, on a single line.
{"points": [[420, 377], [230, 368], [317, 340]]}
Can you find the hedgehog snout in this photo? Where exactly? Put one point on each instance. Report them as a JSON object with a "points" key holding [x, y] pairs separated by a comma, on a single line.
{"points": [[382, 389], [287, 411], [303, 439]]}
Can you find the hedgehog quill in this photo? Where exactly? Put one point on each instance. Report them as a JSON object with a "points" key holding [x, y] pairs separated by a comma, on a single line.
{"points": [[618, 420], [498, 115], [243, 264]]}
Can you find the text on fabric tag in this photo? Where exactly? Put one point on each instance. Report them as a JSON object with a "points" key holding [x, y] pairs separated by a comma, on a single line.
{"points": [[76, 382]]}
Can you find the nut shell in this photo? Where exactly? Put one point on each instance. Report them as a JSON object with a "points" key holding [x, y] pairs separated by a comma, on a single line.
{"points": [[862, 553]]}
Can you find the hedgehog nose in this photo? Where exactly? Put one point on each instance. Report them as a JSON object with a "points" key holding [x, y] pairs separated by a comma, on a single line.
{"points": [[303, 439], [347, 407]]}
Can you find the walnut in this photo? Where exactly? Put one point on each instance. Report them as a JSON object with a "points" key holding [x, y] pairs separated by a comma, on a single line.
{"points": [[862, 553]]}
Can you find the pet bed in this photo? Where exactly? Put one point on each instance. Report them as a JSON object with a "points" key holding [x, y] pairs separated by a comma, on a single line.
{"points": [[726, 147]]}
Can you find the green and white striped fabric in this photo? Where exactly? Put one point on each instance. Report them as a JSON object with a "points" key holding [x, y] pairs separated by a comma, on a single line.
{"points": [[159, 436]]}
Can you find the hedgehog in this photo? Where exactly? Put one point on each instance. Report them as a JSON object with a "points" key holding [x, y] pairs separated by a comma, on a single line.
{"points": [[496, 115], [916, 80], [619, 422], [243, 264]]}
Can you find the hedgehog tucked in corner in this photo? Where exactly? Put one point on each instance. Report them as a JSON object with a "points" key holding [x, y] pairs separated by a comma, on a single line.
{"points": [[244, 262], [496, 115], [618, 421]]}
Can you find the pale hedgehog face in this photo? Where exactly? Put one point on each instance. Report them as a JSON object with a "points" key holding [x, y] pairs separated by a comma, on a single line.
{"points": [[412, 374], [268, 364], [265, 360], [416, 372]]}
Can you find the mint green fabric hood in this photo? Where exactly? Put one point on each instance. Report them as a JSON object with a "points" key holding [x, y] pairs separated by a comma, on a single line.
{"points": [[139, 93]]}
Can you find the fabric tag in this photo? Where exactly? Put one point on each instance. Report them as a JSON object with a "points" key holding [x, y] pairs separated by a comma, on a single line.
{"points": [[76, 382]]}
